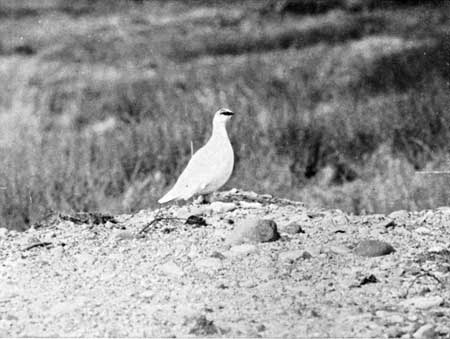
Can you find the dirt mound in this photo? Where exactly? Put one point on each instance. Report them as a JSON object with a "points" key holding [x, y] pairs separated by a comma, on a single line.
{"points": [[153, 274]]}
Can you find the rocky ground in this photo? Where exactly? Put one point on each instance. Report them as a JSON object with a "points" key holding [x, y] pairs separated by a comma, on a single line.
{"points": [[229, 271]]}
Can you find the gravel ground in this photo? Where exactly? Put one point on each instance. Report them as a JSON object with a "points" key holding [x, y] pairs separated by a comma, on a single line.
{"points": [[92, 276]]}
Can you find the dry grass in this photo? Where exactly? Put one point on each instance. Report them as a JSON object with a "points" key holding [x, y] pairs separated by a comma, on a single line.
{"points": [[343, 108]]}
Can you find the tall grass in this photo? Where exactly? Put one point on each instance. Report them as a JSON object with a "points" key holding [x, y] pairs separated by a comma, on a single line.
{"points": [[342, 115]]}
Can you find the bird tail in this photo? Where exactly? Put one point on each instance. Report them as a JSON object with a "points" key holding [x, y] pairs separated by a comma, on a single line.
{"points": [[167, 197]]}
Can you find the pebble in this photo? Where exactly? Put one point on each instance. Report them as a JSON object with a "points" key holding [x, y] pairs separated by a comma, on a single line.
{"points": [[253, 230], [423, 230], [292, 228], [341, 250], [425, 332], [57, 252], [209, 263], [84, 259], [171, 269], [401, 214], [436, 249], [373, 248], [244, 249], [423, 302], [394, 332], [249, 205], [185, 212], [123, 235], [222, 207], [291, 256]]}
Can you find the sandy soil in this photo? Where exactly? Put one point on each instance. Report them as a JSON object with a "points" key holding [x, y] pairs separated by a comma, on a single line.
{"points": [[90, 275]]}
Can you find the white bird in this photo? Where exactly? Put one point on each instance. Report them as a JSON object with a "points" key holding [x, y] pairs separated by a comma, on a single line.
{"points": [[210, 167]]}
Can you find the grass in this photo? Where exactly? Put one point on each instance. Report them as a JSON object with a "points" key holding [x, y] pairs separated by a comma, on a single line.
{"points": [[338, 109]]}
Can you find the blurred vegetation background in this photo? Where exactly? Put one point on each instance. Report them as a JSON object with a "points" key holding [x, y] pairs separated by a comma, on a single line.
{"points": [[339, 102]]}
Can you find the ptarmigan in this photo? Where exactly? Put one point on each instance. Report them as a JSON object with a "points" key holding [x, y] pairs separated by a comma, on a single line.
{"points": [[210, 167]]}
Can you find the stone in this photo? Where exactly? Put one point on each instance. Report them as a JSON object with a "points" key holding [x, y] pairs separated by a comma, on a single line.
{"points": [[373, 248], [208, 263], [171, 269], [436, 249], [292, 228], [204, 327], [401, 214], [222, 207], [253, 230], [423, 302], [123, 235], [394, 332], [340, 250], [83, 259], [426, 331], [423, 230], [244, 249], [249, 205], [291, 256], [185, 212]]}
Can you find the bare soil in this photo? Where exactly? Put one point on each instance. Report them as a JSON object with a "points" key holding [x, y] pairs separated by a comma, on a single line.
{"points": [[102, 277]]}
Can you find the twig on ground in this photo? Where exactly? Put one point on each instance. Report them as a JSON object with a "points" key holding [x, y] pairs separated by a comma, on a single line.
{"points": [[424, 274], [156, 220], [38, 244]]}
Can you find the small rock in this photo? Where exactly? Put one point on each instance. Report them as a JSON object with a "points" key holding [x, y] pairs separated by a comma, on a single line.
{"points": [[423, 302], [247, 284], [340, 250], [3, 232], [84, 259], [436, 249], [244, 249], [369, 279], [394, 332], [291, 256], [385, 223], [399, 215], [171, 269], [204, 327], [119, 235], [306, 255], [222, 207], [423, 230], [57, 252], [425, 332], [195, 220], [217, 255], [313, 251], [292, 228], [185, 212], [254, 230], [373, 248], [396, 319], [209, 263], [249, 205], [148, 294]]}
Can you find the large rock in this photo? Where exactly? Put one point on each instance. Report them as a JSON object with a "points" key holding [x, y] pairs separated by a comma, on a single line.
{"points": [[253, 230]]}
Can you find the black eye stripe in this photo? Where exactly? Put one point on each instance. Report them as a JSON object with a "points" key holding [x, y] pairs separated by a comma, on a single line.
{"points": [[227, 113]]}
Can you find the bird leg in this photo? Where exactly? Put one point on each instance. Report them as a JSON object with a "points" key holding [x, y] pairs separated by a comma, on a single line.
{"points": [[202, 199]]}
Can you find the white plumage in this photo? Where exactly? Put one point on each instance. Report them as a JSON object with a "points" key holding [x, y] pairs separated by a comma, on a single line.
{"points": [[210, 167]]}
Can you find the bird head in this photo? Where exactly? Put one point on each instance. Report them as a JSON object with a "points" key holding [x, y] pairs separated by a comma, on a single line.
{"points": [[222, 116]]}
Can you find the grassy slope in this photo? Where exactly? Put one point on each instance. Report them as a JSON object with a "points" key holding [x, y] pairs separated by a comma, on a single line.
{"points": [[99, 105]]}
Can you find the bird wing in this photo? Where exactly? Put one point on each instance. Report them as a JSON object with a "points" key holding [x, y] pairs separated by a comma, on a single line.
{"points": [[203, 172]]}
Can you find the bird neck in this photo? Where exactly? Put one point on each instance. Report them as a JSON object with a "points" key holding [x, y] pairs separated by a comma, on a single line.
{"points": [[219, 130]]}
